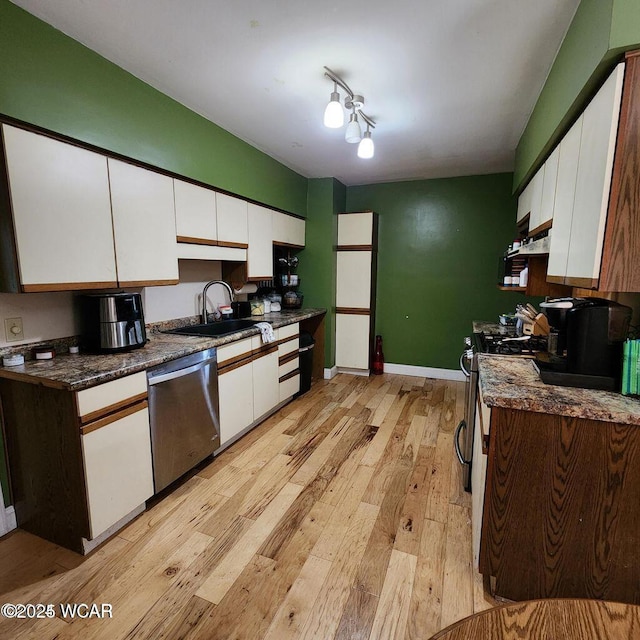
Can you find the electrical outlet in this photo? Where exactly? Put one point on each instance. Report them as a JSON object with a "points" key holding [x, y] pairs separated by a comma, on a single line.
{"points": [[13, 329]]}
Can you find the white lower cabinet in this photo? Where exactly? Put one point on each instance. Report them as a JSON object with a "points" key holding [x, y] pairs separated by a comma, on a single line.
{"points": [[118, 469], [352, 341], [266, 392], [478, 476], [235, 390]]}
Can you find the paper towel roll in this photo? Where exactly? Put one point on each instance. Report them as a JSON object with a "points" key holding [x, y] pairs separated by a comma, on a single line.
{"points": [[250, 287]]}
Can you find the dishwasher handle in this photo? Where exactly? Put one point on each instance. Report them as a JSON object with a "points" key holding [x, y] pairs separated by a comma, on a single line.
{"points": [[166, 372]]}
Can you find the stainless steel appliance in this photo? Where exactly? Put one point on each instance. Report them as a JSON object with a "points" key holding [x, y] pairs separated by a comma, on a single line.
{"points": [[502, 341], [593, 331], [183, 410], [463, 438], [112, 322]]}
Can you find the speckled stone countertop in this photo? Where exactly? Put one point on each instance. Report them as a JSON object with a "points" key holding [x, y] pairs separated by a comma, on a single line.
{"points": [[492, 327], [75, 372], [513, 383]]}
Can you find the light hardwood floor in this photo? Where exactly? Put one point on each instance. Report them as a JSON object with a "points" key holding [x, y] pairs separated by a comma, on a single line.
{"points": [[342, 516]]}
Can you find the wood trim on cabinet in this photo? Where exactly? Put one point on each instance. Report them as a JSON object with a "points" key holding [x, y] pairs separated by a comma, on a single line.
{"points": [[289, 339], [233, 245], [288, 357], [246, 358], [112, 408], [190, 240], [353, 311], [146, 283], [355, 247], [291, 374], [259, 278], [483, 431], [583, 283], [67, 286], [555, 279], [113, 417], [278, 243], [620, 268], [541, 227]]}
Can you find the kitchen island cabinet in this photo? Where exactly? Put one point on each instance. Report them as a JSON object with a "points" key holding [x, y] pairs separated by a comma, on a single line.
{"points": [[560, 508]]}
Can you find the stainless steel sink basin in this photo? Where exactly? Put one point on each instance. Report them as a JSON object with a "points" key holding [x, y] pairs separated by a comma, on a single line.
{"points": [[214, 329]]}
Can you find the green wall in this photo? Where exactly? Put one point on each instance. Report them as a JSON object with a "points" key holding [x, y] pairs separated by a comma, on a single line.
{"points": [[438, 252], [318, 261], [598, 35], [50, 80]]}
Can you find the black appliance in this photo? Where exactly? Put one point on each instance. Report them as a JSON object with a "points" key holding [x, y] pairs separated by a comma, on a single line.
{"points": [[112, 322], [594, 331]]}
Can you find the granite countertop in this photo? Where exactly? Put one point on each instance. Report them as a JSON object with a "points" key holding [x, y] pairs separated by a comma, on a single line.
{"points": [[514, 383], [492, 327], [79, 371]]}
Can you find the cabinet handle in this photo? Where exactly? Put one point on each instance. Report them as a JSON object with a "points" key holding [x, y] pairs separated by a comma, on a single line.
{"points": [[456, 442], [113, 417]]}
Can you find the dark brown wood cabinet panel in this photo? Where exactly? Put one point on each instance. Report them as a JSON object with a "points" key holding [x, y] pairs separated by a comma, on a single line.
{"points": [[44, 450], [562, 508]]}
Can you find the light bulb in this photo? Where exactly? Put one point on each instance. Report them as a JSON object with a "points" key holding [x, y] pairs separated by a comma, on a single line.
{"points": [[365, 148], [353, 132], [333, 114]]}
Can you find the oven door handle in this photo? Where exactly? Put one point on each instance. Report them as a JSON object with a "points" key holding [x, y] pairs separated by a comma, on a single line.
{"points": [[456, 442], [466, 372]]}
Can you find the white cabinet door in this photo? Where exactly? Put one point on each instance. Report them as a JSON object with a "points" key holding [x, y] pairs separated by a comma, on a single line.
{"points": [[355, 228], [353, 281], [563, 202], [233, 230], [62, 213], [478, 478], [266, 390], [593, 182], [287, 230], [524, 203], [235, 389], [143, 225], [352, 341], [536, 185], [195, 213], [118, 471], [260, 251], [548, 188]]}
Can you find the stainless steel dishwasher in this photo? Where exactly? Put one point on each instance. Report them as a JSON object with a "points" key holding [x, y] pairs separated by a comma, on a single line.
{"points": [[183, 410]]}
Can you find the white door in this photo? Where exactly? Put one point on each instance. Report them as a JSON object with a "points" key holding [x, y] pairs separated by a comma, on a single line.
{"points": [[537, 184], [260, 251], [233, 230], [563, 202], [593, 182], [195, 213], [355, 228], [352, 341], [287, 230], [353, 281], [549, 187], [118, 469], [266, 389], [235, 388], [144, 225], [62, 213]]}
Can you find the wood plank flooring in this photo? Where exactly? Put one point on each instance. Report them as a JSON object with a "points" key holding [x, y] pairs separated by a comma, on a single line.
{"points": [[341, 516]]}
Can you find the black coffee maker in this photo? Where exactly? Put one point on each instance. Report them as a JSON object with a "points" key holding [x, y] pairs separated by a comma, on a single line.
{"points": [[594, 331]]}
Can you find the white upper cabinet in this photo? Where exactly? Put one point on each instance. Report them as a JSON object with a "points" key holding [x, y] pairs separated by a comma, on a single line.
{"points": [[569, 152], [353, 279], [143, 225], [530, 200], [524, 203], [195, 213], [233, 228], [593, 181], [287, 230], [548, 196], [355, 229], [61, 213], [260, 251]]}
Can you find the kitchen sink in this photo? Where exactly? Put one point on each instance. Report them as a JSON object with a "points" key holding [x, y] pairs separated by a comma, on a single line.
{"points": [[214, 329]]}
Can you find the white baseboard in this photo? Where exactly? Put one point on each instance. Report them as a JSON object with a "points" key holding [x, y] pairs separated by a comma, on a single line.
{"points": [[353, 372], [424, 372], [330, 373]]}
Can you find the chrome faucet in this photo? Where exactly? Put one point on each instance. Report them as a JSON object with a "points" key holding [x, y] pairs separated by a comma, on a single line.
{"points": [[204, 296]]}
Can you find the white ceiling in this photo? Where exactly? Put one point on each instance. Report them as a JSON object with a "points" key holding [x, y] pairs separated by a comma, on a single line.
{"points": [[450, 83]]}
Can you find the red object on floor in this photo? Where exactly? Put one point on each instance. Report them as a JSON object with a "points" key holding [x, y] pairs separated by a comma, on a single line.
{"points": [[377, 366]]}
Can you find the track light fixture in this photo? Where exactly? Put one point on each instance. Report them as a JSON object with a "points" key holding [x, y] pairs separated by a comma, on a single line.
{"points": [[334, 115]]}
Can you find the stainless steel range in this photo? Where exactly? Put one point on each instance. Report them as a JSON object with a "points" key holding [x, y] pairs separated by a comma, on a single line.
{"points": [[499, 342]]}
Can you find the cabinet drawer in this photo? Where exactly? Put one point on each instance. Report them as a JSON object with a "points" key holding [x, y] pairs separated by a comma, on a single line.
{"points": [[110, 396], [288, 331], [234, 350], [288, 364], [289, 387]]}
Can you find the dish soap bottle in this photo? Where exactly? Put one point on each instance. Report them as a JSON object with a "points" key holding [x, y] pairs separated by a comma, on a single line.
{"points": [[377, 366]]}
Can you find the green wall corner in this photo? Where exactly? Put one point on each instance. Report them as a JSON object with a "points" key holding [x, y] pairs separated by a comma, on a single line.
{"points": [[54, 82], [326, 198]]}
